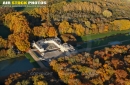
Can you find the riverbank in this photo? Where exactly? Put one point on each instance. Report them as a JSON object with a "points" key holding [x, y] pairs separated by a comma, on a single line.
{"points": [[6, 58], [19, 64], [31, 60], [26, 55], [102, 35], [105, 40]]}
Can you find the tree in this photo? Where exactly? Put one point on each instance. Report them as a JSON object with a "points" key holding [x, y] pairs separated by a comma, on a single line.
{"points": [[106, 28], [40, 31], [121, 74], [11, 52], [52, 32], [79, 29], [121, 24], [94, 28], [3, 43], [88, 24], [6, 10], [3, 53], [42, 83], [107, 13], [20, 40], [64, 27], [17, 22], [24, 82]]}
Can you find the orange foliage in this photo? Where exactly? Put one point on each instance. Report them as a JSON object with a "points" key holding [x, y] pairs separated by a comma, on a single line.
{"points": [[20, 40], [52, 32], [17, 22]]}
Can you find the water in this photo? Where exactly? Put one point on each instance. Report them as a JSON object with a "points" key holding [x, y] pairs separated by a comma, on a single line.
{"points": [[20, 64]]}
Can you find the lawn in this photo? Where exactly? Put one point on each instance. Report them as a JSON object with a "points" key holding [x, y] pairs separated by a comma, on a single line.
{"points": [[103, 40], [102, 35]]}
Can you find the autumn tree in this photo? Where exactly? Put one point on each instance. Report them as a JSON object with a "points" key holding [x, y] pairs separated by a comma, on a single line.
{"points": [[79, 29], [39, 80], [20, 40], [107, 13], [42, 11], [121, 24], [52, 32], [3, 43], [64, 27], [94, 28], [17, 22], [11, 53], [82, 6], [6, 10], [3, 53], [68, 37], [40, 31], [121, 74]]}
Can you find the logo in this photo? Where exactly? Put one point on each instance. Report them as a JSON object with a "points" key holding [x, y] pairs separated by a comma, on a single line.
{"points": [[24, 3]]}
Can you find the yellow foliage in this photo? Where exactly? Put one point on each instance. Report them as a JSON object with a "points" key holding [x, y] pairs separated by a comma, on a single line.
{"points": [[42, 83], [79, 29], [127, 82], [64, 27], [52, 32], [21, 41], [122, 24], [17, 22], [107, 13]]}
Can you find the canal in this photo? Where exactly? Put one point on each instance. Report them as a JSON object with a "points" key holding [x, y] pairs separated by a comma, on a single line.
{"points": [[10, 66]]}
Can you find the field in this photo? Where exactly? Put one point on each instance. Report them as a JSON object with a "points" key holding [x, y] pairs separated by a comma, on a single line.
{"points": [[102, 35]]}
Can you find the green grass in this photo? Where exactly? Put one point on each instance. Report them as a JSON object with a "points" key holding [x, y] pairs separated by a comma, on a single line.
{"points": [[28, 56], [102, 35], [105, 40]]}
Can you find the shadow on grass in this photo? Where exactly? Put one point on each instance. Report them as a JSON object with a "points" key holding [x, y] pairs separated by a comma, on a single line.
{"points": [[32, 61], [35, 64], [79, 39]]}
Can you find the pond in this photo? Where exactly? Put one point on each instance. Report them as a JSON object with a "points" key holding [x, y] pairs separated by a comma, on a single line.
{"points": [[19, 64]]}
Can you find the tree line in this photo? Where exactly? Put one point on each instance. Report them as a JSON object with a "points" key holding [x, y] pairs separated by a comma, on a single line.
{"points": [[63, 18], [106, 66]]}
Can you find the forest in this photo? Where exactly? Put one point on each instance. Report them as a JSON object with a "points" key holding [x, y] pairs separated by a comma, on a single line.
{"points": [[108, 66], [32, 77], [69, 19], [61, 17]]}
